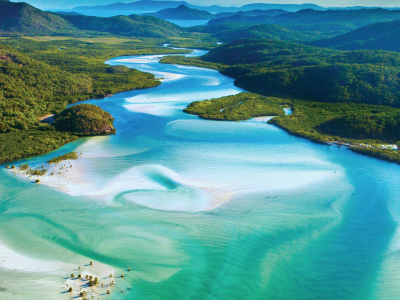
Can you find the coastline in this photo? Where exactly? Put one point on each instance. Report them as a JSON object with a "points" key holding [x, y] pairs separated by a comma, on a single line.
{"points": [[371, 152], [382, 154], [291, 183]]}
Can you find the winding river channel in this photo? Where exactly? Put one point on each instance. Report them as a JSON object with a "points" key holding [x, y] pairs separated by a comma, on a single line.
{"points": [[199, 209]]}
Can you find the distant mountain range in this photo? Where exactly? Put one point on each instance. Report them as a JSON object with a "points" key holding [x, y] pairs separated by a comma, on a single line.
{"points": [[150, 5], [182, 12], [18, 19]]}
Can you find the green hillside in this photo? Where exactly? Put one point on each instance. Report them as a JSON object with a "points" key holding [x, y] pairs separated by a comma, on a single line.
{"points": [[63, 71], [252, 13], [84, 120], [243, 19], [264, 31], [288, 69], [22, 19], [217, 28], [384, 36], [330, 22], [342, 97], [29, 89], [133, 25], [182, 12], [357, 18]]}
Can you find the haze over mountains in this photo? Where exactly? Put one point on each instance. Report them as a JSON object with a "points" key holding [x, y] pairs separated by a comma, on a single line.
{"points": [[148, 5], [23, 19], [339, 29], [182, 12]]}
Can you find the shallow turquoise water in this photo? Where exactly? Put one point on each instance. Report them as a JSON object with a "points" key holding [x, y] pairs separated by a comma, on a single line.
{"points": [[208, 210]]}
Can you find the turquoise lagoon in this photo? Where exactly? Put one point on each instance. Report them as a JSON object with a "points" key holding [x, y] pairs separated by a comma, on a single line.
{"points": [[200, 209]]}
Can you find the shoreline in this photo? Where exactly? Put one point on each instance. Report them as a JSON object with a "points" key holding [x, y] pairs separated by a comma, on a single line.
{"points": [[48, 118], [371, 152]]}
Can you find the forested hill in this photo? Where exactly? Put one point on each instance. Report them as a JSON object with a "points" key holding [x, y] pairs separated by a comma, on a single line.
{"points": [[133, 25], [29, 89], [261, 19], [22, 18], [252, 13], [288, 69], [18, 19], [329, 22], [384, 36], [182, 12], [263, 31], [356, 18]]}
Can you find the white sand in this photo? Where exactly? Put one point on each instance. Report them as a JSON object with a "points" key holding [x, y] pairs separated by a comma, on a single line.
{"points": [[52, 277]]}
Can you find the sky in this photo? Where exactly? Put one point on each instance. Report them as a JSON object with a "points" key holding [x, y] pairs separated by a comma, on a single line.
{"points": [[43, 4]]}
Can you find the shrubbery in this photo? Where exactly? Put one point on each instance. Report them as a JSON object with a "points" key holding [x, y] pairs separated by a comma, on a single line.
{"points": [[85, 119]]}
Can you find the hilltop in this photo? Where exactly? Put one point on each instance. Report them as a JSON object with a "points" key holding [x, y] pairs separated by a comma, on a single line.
{"points": [[18, 19], [22, 18], [330, 22], [84, 120], [133, 25], [384, 36], [150, 5], [263, 31], [252, 13], [182, 12]]}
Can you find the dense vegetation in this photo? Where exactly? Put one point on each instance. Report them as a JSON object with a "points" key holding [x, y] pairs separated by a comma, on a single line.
{"points": [[26, 143], [384, 126], [329, 22], [29, 89], [193, 40], [316, 75], [193, 61], [85, 119], [182, 12], [287, 69], [18, 19], [365, 127], [22, 18], [67, 156], [262, 19], [252, 13], [63, 71], [264, 31], [342, 121], [133, 25], [238, 107], [217, 28], [384, 36]]}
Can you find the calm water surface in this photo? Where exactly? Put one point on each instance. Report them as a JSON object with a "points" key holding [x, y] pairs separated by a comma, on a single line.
{"points": [[202, 209]]}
